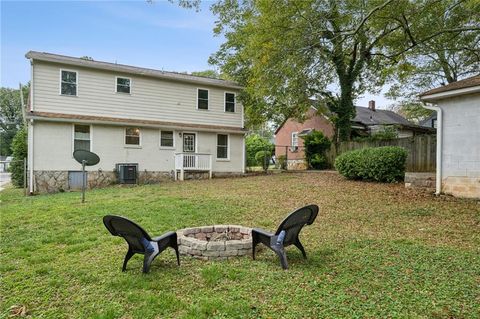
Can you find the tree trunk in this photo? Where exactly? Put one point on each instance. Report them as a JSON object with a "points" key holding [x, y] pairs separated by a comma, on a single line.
{"points": [[346, 111]]}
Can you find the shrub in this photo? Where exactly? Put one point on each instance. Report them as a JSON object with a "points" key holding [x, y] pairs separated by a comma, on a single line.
{"points": [[254, 143], [263, 159], [282, 161], [19, 152], [384, 134], [316, 144], [381, 164]]}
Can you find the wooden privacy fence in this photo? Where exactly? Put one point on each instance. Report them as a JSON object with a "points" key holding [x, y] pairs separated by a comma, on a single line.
{"points": [[421, 150]]}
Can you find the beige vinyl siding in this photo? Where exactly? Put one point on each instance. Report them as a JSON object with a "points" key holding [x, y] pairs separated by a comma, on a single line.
{"points": [[53, 148], [150, 98]]}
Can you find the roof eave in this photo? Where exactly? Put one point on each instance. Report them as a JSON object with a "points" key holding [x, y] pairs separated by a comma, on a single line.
{"points": [[128, 122], [34, 56], [451, 93]]}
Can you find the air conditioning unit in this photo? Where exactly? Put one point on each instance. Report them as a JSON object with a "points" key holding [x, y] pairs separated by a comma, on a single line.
{"points": [[127, 173]]}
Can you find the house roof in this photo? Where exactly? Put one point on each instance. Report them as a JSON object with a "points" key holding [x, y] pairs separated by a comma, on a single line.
{"points": [[174, 76], [61, 117], [367, 117], [462, 84], [428, 121]]}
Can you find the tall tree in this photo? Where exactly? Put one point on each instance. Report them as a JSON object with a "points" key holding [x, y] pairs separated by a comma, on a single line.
{"points": [[444, 59], [10, 116], [286, 52]]}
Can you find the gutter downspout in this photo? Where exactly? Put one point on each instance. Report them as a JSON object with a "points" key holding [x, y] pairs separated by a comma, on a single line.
{"points": [[30, 133], [438, 178], [30, 156]]}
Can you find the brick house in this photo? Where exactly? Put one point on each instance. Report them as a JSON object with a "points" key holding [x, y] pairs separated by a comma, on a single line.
{"points": [[367, 121], [288, 141]]}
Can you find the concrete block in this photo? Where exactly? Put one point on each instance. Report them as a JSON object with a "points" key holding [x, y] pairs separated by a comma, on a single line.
{"points": [[228, 253], [199, 245], [216, 245], [221, 228], [211, 253]]}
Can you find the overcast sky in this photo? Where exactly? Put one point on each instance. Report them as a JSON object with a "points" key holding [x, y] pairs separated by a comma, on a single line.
{"points": [[159, 35]]}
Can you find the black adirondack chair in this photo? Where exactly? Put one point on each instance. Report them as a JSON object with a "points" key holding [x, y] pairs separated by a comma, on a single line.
{"points": [[134, 235], [286, 234]]}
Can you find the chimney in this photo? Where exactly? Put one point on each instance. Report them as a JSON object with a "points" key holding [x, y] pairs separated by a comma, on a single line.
{"points": [[371, 105]]}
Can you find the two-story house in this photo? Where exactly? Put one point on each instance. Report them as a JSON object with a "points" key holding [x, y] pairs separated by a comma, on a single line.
{"points": [[145, 125]]}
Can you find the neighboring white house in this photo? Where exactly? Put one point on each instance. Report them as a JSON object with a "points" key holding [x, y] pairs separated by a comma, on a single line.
{"points": [[146, 125], [458, 136]]}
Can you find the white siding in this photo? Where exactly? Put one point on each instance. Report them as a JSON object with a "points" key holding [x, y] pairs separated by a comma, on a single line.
{"points": [[53, 147], [150, 98], [461, 136]]}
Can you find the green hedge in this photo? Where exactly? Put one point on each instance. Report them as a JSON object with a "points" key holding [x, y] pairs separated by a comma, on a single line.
{"points": [[380, 164], [19, 149], [263, 159]]}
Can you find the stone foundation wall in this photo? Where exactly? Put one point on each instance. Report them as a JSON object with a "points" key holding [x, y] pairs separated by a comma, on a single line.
{"points": [[147, 177], [57, 181], [50, 181], [297, 165], [422, 180], [193, 175], [227, 174], [99, 178], [467, 187]]}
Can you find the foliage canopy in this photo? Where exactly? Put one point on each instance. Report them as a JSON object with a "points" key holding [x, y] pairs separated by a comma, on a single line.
{"points": [[287, 52]]}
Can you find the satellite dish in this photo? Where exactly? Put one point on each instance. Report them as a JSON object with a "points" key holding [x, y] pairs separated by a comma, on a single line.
{"points": [[90, 158], [85, 158]]}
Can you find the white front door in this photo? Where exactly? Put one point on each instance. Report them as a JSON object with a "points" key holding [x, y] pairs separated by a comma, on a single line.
{"points": [[189, 142], [189, 161]]}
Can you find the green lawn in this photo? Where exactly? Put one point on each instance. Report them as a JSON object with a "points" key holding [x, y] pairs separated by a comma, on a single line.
{"points": [[375, 251]]}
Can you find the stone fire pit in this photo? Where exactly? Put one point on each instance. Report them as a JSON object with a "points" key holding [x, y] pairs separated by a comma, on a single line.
{"points": [[215, 242]]}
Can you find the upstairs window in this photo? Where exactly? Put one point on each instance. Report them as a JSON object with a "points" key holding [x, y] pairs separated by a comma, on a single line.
{"points": [[132, 136], [81, 137], [222, 146], [166, 138], [123, 85], [230, 102], [68, 83], [294, 139], [202, 99]]}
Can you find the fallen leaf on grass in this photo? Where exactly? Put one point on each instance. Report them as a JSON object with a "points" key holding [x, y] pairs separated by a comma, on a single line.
{"points": [[18, 311]]}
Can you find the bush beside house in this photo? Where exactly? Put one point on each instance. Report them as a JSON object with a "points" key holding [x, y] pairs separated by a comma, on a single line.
{"points": [[380, 164], [19, 152], [255, 143], [316, 144], [263, 159]]}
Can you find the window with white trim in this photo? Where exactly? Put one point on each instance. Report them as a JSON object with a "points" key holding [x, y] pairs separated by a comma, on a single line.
{"points": [[222, 146], [123, 85], [166, 138], [229, 102], [294, 139], [202, 99], [68, 82], [81, 137], [132, 136]]}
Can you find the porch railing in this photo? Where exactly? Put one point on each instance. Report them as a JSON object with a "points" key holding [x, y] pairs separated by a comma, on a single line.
{"points": [[192, 162]]}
